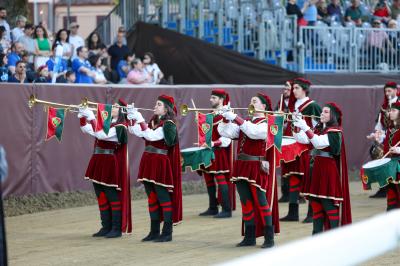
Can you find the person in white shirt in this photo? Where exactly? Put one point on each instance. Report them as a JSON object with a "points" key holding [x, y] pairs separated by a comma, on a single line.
{"points": [[152, 68], [18, 31], [3, 22], [74, 39]]}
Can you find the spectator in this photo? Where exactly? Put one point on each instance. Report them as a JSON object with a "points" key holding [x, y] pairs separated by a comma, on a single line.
{"points": [[96, 46], [4, 43], [28, 42], [95, 62], [378, 44], [121, 29], [152, 68], [382, 11], [123, 67], [82, 67], [62, 38], [293, 9], [70, 77], [138, 75], [4, 23], [74, 39], [322, 12], [29, 69], [43, 75], [42, 45], [62, 67], [14, 56], [20, 73], [395, 9], [18, 31], [395, 42], [335, 10], [117, 52], [3, 68], [354, 13], [309, 10]]}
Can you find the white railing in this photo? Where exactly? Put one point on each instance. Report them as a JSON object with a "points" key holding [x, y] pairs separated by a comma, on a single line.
{"points": [[348, 245]]}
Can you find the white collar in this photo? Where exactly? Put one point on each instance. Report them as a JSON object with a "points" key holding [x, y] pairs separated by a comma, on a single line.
{"points": [[393, 100], [300, 102]]}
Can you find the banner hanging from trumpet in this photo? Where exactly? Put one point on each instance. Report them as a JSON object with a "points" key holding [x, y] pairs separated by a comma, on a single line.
{"points": [[55, 122], [204, 128], [275, 131], [103, 117]]}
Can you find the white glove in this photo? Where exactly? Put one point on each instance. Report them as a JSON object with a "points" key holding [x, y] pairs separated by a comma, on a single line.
{"points": [[229, 115], [297, 115], [302, 124], [131, 110], [395, 150], [87, 113], [225, 108], [138, 117]]}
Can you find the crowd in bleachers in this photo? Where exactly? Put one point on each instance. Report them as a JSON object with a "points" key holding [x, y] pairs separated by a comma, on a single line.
{"points": [[31, 54]]}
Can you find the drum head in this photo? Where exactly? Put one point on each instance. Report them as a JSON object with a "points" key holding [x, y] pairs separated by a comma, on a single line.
{"points": [[288, 141], [376, 163], [191, 149]]}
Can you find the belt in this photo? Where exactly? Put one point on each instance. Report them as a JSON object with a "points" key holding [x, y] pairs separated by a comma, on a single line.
{"points": [[152, 149], [98, 150], [246, 157], [320, 153]]}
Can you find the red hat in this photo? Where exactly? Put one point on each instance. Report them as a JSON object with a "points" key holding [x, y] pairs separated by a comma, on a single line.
{"points": [[122, 102], [168, 100], [41, 68], [336, 110], [265, 100], [304, 83], [222, 94], [390, 84]]}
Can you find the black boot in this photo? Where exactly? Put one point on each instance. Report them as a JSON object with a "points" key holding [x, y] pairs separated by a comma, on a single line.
{"points": [[293, 215], [249, 237], [212, 201], [308, 218], [105, 217], [226, 211], [209, 212], [381, 193], [154, 231], [284, 190], [166, 234], [268, 237], [116, 225]]}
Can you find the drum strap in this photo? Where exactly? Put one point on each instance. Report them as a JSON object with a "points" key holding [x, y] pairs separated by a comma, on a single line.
{"points": [[98, 150], [316, 152], [152, 149], [246, 157]]}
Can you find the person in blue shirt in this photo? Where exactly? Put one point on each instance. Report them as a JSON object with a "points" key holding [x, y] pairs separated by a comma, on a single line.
{"points": [[15, 56], [3, 68], [82, 67], [20, 73], [62, 68], [123, 66]]}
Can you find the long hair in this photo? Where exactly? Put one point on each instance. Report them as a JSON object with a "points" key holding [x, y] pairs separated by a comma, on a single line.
{"points": [[91, 45], [45, 35], [333, 122], [169, 115], [57, 40], [122, 117]]}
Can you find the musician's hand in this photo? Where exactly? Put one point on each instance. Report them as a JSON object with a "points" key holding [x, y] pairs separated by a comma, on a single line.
{"points": [[395, 150], [131, 110], [225, 108], [371, 136], [296, 115], [204, 145], [87, 113], [302, 124], [229, 115], [138, 117]]}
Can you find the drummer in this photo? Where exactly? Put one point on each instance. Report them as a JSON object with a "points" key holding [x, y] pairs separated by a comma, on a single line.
{"points": [[329, 186], [160, 166], [299, 173], [382, 124], [220, 169], [249, 173], [287, 131], [391, 139]]}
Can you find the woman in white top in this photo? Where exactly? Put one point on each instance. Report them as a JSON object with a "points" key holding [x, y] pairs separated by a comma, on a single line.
{"points": [[62, 38], [152, 68], [95, 62]]}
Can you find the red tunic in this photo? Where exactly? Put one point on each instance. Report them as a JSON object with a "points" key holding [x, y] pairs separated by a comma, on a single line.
{"points": [[154, 167], [251, 170], [222, 162]]}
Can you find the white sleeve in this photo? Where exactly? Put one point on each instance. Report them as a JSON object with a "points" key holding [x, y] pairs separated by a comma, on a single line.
{"points": [[148, 134], [320, 141], [301, 137], [255, 131], [229, 130], [225, 142], [88, 129], [111, 136]]}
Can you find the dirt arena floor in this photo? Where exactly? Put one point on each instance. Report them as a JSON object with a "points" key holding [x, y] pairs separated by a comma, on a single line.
{"points": [[63, 237]]}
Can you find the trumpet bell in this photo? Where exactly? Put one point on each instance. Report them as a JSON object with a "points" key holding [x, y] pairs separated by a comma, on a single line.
{"points": [[251, 109], [184, 110], [32, 101]]}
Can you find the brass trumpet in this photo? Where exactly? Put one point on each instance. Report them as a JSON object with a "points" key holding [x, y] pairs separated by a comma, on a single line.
{"points": [[184, 109], [86, 102], [253, 110], [70, 107]]}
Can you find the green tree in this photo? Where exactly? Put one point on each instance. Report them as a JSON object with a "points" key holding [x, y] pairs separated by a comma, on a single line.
{"points": [[15, 8]]}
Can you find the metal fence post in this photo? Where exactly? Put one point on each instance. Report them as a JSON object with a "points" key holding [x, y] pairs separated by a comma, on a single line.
{"points": [[164, 15], [220, 17], [146, 10], [261, 34], [240, 34], [201, 19], [182, 16], [300, 55]]}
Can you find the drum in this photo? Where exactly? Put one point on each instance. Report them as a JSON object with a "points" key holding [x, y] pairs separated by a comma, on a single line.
{"points": [[381, 171], [291, 149], [195, 157]]}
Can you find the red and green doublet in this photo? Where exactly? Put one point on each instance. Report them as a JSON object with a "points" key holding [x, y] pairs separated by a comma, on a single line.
{"points": [[391, 139], [250, 170], [222, 162]]}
